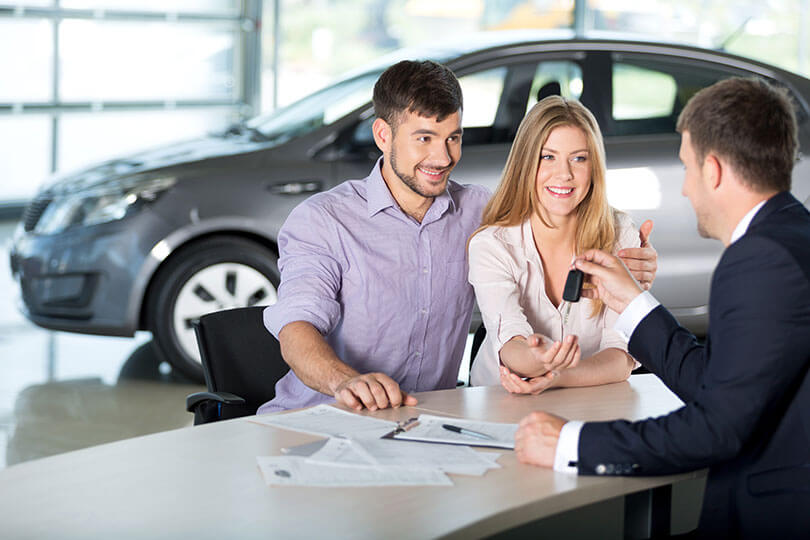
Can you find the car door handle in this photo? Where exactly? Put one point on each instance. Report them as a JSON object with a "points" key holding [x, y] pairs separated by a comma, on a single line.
{"points": [[297, 187]]}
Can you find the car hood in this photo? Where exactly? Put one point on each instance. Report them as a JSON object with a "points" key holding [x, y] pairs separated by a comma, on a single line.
{"points": [[142, 163]]}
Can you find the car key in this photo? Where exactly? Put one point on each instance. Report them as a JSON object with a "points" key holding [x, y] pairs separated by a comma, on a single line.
{"points": [[573, 286]]}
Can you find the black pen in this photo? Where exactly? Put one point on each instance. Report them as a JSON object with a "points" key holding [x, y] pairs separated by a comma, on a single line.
{"points": [[465, 431]]}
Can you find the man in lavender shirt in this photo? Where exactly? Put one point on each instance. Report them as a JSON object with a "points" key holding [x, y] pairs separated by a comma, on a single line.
{"points": [[374, 301]]}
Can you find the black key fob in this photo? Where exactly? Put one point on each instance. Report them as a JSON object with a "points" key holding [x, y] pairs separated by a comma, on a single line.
{"points": [[573, 285]]}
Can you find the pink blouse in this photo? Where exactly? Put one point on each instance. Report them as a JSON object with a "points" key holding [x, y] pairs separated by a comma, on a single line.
{"points": [[507, 275]]}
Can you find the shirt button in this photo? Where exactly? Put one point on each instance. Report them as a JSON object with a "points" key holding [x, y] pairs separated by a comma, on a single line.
{"points": [[601, 469], [424, 270], [417, 353], [424, 311]]}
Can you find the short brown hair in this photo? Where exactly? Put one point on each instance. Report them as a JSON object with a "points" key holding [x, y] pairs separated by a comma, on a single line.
{"points": [[748, 122], [426, 88]]}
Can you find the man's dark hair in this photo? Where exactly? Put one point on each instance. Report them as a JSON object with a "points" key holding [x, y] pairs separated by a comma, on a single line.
{"points": [[751, 124], [426, 88]]}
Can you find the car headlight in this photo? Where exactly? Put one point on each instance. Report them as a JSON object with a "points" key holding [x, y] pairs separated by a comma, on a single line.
{"points": [[109, 203]]}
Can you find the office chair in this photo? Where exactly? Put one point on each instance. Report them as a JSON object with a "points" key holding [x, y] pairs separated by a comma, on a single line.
{"points": [[241, 362], [478, 339]]}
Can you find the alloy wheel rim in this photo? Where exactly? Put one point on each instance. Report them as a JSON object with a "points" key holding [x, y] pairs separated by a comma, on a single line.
{"points": [[215, 288]]}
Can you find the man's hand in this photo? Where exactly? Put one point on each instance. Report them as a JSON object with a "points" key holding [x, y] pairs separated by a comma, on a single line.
{"points": [[536, 439], [612, 281], [372, 391], [533, 386], [642, 261]]}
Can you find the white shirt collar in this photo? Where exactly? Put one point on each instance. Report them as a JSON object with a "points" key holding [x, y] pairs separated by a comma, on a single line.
{"points": [[742, 226]]}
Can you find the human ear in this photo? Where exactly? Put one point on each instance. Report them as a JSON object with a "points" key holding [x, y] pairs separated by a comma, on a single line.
{"points": [[712, 172], [383, 134]]}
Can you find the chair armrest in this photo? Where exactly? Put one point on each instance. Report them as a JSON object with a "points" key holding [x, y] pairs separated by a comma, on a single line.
{"points": [[192, 400]]}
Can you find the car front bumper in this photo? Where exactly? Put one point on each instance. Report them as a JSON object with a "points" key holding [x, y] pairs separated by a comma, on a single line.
{"points": [[82, 280]]}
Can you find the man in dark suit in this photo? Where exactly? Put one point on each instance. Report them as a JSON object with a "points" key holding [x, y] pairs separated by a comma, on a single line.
{"points": [[747, 390]]}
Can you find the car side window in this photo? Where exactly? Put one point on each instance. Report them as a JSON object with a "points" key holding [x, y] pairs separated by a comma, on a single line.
{"points": [[649, 92], [558, 77], [482, 94], [640, 93], [362, 136]]}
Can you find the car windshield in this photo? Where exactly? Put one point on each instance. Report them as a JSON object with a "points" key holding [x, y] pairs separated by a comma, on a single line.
{"points": [[316, 110]]}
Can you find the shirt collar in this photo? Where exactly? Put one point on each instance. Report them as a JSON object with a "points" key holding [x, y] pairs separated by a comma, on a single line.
{"points": [[742, 226], [379, 196]]}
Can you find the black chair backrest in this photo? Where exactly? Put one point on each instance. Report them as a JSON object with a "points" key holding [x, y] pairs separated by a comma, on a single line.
{"points": [[240, 355], [478, 339]]}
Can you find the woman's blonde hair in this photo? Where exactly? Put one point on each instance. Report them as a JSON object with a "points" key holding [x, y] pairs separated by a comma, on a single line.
{"points": [[516, 197]]}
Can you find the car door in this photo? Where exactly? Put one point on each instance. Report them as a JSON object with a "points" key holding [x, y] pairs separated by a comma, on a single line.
{"points": [[647, 93]]}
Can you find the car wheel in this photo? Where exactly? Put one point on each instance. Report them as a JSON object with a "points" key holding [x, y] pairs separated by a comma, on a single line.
{"points": [[209, 275]]}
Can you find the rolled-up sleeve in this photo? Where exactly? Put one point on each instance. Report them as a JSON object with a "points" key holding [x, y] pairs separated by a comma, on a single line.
{"points": [[310, 272], [497, 292]]}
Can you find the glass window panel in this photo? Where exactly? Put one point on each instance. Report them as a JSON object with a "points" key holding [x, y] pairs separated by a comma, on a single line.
{"points": [[642, 93], [26, 60], [650, 91], [519, 14], [318, 109], [88, 138], [565, 73], [180, 6], [25, 154], [32, 3], [107, 60], [482, 93], [775, 32]]}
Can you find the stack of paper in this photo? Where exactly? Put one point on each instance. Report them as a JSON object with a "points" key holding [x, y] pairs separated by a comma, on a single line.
{"points": [[355, 455], [329, 421]]}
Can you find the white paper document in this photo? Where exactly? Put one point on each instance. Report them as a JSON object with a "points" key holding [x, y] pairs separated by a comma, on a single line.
{"points": [[329, 421], [355, 454], [297, 471], [388, 453], [429, 429]]}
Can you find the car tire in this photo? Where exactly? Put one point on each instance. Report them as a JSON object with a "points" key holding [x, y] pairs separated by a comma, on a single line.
{"points": [[213, 274]]}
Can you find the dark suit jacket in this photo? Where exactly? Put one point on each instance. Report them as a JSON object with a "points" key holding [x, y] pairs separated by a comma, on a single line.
{"points": [[747, 391]]}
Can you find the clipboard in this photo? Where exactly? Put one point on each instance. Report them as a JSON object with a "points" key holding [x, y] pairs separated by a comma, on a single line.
{"points": [[402, 427], [405, 432]]}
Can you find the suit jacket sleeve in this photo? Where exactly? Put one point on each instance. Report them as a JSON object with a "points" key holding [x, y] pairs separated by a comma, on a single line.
{"points": [[670, 351], [735, 386]]}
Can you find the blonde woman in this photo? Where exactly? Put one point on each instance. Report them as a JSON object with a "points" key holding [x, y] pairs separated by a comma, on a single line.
{"points": [[551, 205]]}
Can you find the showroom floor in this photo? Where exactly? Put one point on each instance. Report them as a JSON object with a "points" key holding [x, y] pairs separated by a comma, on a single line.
{"points": [[61, 391]]}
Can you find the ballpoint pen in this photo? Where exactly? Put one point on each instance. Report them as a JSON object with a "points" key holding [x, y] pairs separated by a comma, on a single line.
{"points": [[465, 431]]}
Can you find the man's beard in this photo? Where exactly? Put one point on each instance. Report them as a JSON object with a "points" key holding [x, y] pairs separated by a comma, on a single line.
{"points": [[411, 181]]}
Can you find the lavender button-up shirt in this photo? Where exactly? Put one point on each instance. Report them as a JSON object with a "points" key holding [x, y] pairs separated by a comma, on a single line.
{"points": [[389, 294]]}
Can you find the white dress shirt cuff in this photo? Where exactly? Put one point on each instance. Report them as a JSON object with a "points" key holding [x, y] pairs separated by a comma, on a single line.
{"points": [[567, 453], [634, 313]]}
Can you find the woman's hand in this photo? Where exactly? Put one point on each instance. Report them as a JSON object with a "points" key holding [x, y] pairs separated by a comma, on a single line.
{"points": [[536, 354], [533, 386], [552, 355]]}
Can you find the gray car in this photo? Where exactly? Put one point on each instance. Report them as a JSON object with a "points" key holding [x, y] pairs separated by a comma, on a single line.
{"points": [[154, 240]]}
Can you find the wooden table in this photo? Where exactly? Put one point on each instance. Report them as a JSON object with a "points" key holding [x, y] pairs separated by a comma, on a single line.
{"points": [[204, 481]]}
